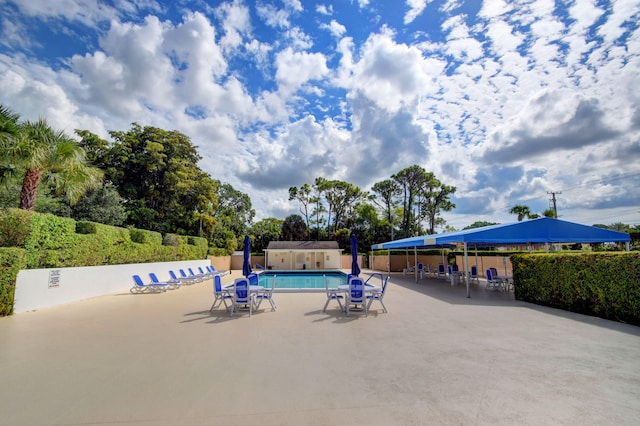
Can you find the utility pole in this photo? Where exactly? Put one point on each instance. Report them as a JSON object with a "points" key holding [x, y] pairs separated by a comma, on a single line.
{"points": [[553, 202]]}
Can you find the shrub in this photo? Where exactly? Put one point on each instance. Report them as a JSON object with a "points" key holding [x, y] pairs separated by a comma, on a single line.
{"points": [[14, 227]]}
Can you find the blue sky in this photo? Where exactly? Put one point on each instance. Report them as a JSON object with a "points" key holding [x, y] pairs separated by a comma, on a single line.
{"points": [[506, 100]]}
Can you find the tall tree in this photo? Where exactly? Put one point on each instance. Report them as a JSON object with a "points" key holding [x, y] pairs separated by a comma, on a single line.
{"points": [[40, 154], [411, 180], [303, 195], [520, 210], [388, 191], [435, 199], [156, 173], [265, 231], [233, 210], [293, 228]]}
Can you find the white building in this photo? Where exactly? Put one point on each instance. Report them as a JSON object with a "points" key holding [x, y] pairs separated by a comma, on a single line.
{"points": [[293, 255]]}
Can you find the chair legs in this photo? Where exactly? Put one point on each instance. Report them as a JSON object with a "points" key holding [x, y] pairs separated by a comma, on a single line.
{"points": [[219, 300], [333, 296], [373, 299]]}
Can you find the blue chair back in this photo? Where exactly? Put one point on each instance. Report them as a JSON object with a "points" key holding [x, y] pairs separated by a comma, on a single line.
{"points": [[494, 271], [217, 282], [489, 275], [455, 267], [441, 268], [253, 279], [173, 275], [356, 288], [384, 284], [242, 290], [138, 280], [474, 271], [449, 269], [183, 274], [191, 271], [154, 278]]}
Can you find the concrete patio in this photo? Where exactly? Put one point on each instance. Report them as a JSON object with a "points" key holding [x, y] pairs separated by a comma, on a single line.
{"points": [[435, 358]]}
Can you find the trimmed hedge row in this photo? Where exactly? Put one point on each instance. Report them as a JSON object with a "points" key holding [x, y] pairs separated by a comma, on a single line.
{"points": [[12, 259], [47, 241], [605, 285]]}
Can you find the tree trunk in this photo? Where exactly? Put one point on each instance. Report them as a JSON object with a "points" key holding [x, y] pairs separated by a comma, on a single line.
{"points": [[29, 189]]}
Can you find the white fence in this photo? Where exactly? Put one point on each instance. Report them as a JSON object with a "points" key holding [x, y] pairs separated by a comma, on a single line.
{"points": [[41, 288]]}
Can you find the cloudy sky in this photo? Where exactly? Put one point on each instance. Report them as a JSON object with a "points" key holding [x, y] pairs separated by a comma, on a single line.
{"points": [[506, 100]]}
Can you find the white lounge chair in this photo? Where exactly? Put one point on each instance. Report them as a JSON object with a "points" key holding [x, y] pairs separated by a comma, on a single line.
{"points": [[188, 279], [171, 284], [141, 287]]}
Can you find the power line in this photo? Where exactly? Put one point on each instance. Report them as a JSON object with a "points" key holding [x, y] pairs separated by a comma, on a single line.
{"points": [[553, 200]]}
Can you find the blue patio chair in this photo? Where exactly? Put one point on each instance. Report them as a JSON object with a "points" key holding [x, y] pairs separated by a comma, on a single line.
{"points": [[356, 295], [474, 277], [222, 295], [441, 271], [378, 296], [332, 294], [266, 293], [242, 296], [492, 282], [253, 278], [171, 284], [141, 287]]}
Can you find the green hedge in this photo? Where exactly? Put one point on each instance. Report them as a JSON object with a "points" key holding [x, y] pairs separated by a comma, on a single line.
{"points": [[606, 285], [36, 241], [12, 259]]}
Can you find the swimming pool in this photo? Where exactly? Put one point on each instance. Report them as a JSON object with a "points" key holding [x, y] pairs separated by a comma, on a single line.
{"points": [[306, 281]]}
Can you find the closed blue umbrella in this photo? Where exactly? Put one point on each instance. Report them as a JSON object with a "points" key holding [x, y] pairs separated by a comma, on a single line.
{"points": [[355, 269], [246, 263]]}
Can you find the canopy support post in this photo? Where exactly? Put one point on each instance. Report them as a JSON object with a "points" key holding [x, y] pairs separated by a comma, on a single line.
{"points": [[466, 268], [415, 263]]}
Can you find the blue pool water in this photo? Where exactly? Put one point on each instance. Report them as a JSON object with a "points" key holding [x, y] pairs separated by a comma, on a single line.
{"points": [[302, 280]]}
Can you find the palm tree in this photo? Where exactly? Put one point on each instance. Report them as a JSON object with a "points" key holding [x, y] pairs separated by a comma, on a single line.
{"points": [[8, 123], [521, 211], [49, 155]]}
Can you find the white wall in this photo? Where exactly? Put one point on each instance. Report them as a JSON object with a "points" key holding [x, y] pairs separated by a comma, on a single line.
{"points": [[40, 288]]}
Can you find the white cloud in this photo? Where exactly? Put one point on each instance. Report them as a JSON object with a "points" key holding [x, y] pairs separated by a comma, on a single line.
{"points": [[324, 9], [392, 75], [272, 16], [335, 28], [416, 7], [236, 24], [296, 68]]}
